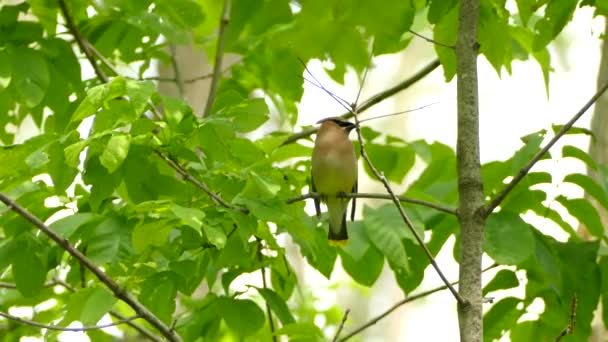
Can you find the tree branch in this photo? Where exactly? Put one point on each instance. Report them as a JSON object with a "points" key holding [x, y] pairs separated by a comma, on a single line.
{"points": [[431, 40], [143, 331], [189, 177], [569, 329], [58, 328], [400, 303], [495, 202], [431, 205], [176, 72], [119, 292], [219, 55], [372, 101], [268, 311], [81, 41], [341, 326]]}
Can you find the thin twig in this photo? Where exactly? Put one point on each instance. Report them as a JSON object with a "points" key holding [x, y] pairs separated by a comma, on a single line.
{"points": [[268, 312], [118, 291], [58, 328], [178, 75], [569, 329], [431, 40], [403, 302], [495, 202], [143, 331], [372, 101], [189, 177], [341, 326], [5, 285], [190, 80], [219, 55], [432, 205], [81, 41]]}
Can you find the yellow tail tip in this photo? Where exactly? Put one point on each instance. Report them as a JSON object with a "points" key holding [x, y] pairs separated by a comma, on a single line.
{"points": [[338, 243]]}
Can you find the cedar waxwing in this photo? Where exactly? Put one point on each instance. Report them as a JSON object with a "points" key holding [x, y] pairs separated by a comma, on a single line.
{"points": [[334, 171]]}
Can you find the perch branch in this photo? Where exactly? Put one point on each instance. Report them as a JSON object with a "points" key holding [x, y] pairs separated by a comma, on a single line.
{"points": [[431, 205], [341, 326]]}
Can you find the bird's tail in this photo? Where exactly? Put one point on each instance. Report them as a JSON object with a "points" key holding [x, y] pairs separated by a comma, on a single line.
{"points": [[338, 236]]}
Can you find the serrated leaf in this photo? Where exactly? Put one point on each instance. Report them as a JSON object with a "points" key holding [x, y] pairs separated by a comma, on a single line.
{"points": [[277, 304], [508, 239], [386, 229], [115, 152], [28, 269], [189, 216], [504, 279], [234, 311], [150, 234], [30, 75], [585, 213]]}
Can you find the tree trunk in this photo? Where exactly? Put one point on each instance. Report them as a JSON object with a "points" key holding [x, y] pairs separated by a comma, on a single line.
{"points": [[470, 185]]}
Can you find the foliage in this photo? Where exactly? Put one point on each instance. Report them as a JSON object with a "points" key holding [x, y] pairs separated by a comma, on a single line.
{"points": [[92, 169]]}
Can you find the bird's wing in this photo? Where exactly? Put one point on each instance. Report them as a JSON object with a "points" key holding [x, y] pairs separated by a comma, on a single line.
{"points": [[316, 200], [354, 205]]}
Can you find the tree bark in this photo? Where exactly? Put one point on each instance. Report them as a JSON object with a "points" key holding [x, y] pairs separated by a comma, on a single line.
{"points": [[470, 185]]}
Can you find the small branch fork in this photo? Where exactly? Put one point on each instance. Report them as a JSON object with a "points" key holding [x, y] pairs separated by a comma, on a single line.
{"points": [[495, 202], [119, 292], [341, 326], [58, 328]]}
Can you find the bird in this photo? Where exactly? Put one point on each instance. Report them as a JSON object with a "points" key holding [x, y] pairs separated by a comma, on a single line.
{"points": [[334, 172]]}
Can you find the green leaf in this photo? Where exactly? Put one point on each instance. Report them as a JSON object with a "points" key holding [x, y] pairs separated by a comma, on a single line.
{"points": [[386, 229], [366, 270], [494, 39], [242, 316], [439, 9], [105, 243], [445, 32], [5, 70], [277, 304], [302, 332], [149, 234], [115, 152], [590, 186], [72, 153], [585, 213], [89, 305], [66, 226], [158, 295], [248, 115], [30, 75], [139, 93], [98, 96], [394, 161], [508, 239], [500, 318], [575, 152], [215, 235], [29, 270], [189, 216], [504, 279], [603, 266]]}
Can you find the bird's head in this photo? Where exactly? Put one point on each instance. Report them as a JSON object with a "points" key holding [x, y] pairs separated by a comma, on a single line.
{"points": [[347, 126]]}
